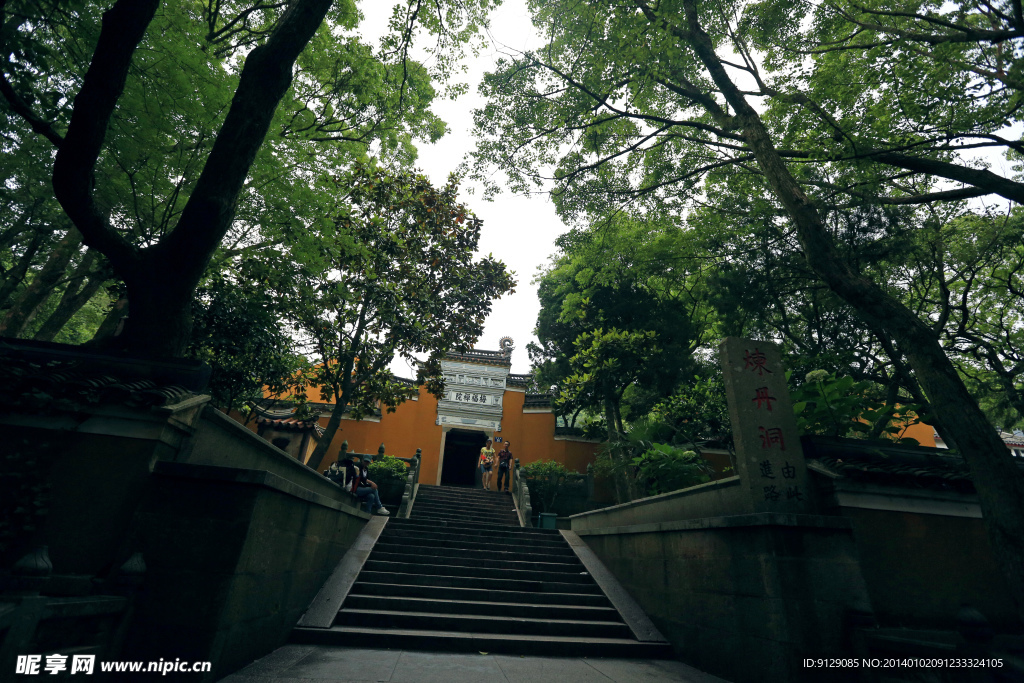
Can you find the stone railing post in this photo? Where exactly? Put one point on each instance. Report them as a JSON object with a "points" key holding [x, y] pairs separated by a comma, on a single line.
{"points": [[521, 497], [411, 484]]}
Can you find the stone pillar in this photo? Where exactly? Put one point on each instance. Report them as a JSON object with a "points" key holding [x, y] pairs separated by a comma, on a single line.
{"points": [[769, 459]]}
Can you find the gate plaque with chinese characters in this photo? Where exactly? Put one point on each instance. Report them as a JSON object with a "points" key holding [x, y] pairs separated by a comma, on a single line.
{"points": [[769, 459]]}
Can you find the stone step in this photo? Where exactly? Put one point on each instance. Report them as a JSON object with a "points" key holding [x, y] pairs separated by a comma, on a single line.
{"points": [[462, 575], [470, 571], [480, 623], [450, 581], [496, 643], [467, 536], [437, 605], [484, 503], [498, 516], [480, 550], [501, 503], [482, 512], [502, 517], [498, 566], [361, 587], [472, 526], [499, 545], [459, 492], [432, 518], [474, 503]]}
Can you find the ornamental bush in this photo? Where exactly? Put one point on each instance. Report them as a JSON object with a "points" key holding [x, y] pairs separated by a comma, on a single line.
{"points": [[663, 468], [388, 468]]}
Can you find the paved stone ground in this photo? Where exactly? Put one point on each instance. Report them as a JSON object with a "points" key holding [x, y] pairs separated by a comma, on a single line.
{"points": [[332, 664]]}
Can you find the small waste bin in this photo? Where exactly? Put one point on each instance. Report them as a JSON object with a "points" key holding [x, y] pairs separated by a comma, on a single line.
{"points": [[547, 520]]}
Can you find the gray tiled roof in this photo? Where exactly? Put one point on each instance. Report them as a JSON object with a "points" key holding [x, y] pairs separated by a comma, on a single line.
{"points": [[55, 377], [519, 380], [482, 356], [537, 401], [888, 463]]}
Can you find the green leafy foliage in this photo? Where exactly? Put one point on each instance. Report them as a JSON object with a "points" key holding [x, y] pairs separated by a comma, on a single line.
{"points": [[543, 469], [346, 97], [237, 331], [697, 412], [622, 310], [389, 269], [546, 479], [663, 468], [387, 469], [840, 406]]}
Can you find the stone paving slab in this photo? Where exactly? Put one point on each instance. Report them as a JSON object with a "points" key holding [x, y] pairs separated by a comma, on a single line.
{"points": [[331, 664]]}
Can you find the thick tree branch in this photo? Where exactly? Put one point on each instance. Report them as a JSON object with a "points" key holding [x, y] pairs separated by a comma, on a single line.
{"points": [[979, 178], [265, 78], [73, 171]]}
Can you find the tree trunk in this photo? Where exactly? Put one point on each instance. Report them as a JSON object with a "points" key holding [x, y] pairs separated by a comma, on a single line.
{"points": [[891, 398], [16, 275], [342, 394], [109, 325], [622, 489], [159, 320], [322, 446], [161, 317], [68, 306], [32, 297], [998, 480]]}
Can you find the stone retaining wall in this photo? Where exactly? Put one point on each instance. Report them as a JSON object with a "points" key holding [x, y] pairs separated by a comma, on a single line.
{"points": [[745, 597]]}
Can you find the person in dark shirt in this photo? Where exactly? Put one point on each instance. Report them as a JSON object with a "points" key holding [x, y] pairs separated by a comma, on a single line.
{"points": [[505, 466], [336, 474], [365, 489]]}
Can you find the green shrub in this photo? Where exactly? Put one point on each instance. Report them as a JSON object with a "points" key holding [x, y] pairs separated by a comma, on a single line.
{"points": [[388, 468], [546, 479], [664, 468], [543, 469]]}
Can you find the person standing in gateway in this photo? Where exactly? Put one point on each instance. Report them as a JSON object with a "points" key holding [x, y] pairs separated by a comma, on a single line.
{"points": [[486, 464], [505, 466]]}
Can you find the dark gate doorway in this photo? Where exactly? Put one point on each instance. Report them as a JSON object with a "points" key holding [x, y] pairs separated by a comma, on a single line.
{"points": [[461, 451]]}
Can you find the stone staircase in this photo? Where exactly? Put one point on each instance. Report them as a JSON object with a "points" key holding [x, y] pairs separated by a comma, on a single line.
{"points": [[462, 575]]}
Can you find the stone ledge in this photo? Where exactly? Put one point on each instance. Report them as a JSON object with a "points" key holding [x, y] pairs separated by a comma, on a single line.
{"points": [[652, 500], [247, 477], [731, 521]]}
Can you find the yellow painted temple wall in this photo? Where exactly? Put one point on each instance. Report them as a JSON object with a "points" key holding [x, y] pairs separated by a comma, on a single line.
{"points": [[411, 426]]}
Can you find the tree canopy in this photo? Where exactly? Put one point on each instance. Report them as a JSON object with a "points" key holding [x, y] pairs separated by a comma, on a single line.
{"points": [[187, 135], [820, 129], [387, 270]]}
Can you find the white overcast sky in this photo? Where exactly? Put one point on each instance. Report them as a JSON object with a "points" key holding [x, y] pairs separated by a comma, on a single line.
{"points": [[518, 230]]}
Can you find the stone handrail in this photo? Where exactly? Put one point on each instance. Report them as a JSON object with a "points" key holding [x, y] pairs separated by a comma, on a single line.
{"points": [[411, 484], [521, 498]]}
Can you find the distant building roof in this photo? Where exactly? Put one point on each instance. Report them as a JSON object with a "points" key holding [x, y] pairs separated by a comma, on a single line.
{"points": [[1014, 440], [482, 356], [537, 401], [521, 381]]}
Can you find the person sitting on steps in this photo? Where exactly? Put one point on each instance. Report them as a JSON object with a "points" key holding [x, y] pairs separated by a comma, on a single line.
{"points": [[336, 474], [365, 489]]}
